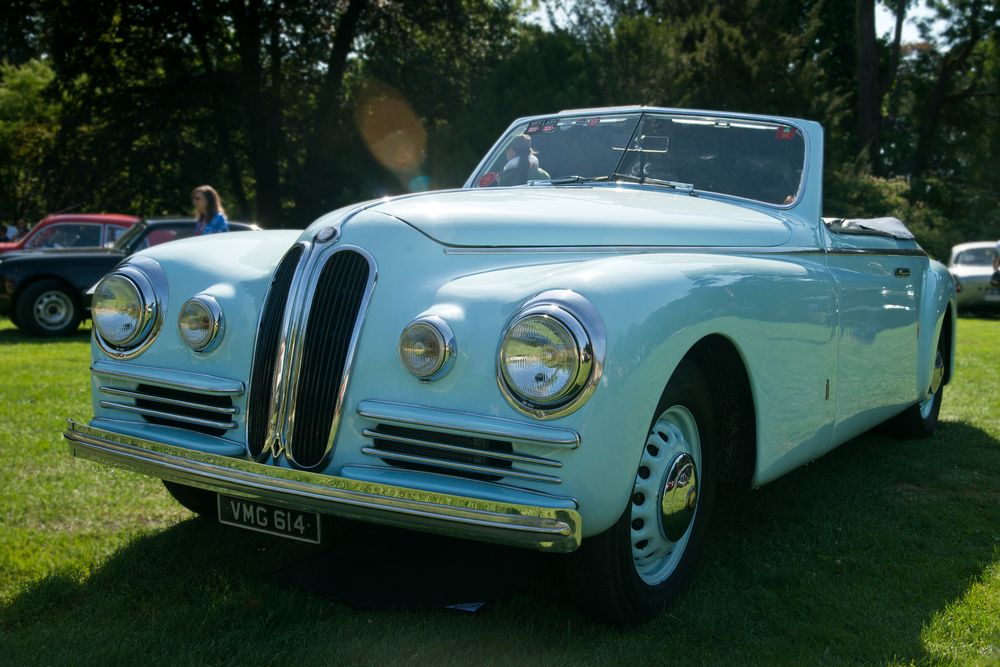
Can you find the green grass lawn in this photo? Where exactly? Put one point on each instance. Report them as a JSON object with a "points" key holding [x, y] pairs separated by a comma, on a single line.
{"points": [[884, 551]]}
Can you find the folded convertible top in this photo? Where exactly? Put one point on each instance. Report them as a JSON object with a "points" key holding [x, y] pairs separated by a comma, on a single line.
{"points": [[881, 226]]}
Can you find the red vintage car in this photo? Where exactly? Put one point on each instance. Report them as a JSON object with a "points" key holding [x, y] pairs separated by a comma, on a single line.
{"points": [[72, 230]]}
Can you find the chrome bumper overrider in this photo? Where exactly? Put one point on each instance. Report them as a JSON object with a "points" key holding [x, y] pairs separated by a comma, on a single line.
{"points": [[547, 529]]}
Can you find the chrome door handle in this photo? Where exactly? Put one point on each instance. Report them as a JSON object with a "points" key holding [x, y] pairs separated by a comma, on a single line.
{"points": [[902, 272]]}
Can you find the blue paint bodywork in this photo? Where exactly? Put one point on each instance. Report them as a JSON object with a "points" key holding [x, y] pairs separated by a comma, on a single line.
{"points": [[832, 340]]}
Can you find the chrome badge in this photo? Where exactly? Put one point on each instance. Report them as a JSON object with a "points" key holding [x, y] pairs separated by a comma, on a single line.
{"points": [[327, 234]]}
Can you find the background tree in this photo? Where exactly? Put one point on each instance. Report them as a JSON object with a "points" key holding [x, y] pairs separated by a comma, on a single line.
{"points": [[295, 107]]}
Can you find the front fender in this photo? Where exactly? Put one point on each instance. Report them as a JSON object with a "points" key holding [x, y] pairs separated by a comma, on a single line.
{"points": [[777, 311]]}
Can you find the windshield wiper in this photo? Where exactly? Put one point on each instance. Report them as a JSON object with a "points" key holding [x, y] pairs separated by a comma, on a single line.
{"points": [[564, 180], [642, 180]]}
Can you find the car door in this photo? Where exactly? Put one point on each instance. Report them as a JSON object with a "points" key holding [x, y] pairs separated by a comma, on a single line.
{"points": [[879, 282]]}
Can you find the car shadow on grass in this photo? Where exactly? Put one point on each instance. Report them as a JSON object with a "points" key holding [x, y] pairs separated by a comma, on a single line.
{"points": [[848, 559]]}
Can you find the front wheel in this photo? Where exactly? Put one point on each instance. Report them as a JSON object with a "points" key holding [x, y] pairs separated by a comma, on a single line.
{"points": [[627, 574]]}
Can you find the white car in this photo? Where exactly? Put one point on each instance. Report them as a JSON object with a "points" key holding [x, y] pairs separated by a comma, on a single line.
{"points": [[971, 264]]}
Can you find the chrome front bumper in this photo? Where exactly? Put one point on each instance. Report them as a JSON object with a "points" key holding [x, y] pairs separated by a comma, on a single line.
{"points": [[547, 529]]}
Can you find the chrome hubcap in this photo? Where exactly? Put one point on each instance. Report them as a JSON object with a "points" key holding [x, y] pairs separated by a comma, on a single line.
{"points": [[53, 310], [937, 377], [665, 495]]}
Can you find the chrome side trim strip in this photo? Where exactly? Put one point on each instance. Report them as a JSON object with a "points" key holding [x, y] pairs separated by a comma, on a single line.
{"points": [[467, 423], [885, 252], [540, 527], [111, 405], [704, 250], [114, 391], [456, 465], [433, 444], [630, 250], [167, 377]]}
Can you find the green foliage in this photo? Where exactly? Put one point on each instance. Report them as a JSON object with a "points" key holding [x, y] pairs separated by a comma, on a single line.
{"points": [[148, 99], [29, 120]]}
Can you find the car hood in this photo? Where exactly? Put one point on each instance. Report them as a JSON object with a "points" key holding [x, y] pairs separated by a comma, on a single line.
{"points": [[8, 246], [583, 216]]}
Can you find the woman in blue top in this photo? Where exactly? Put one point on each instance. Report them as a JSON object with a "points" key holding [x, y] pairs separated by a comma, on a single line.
{"points": [[209, 214]]}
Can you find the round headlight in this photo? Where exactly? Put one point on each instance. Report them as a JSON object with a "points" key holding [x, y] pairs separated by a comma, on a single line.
{"points": [[200, 322], [541, 360], [120, 311], [426, 347]]}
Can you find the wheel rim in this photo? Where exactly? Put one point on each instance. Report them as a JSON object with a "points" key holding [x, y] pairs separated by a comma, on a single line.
{"points": [[53, 310], [937, 377], [665, 495]]}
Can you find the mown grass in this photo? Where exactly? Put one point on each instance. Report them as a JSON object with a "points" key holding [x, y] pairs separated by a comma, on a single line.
{"points": [[884, 551]]}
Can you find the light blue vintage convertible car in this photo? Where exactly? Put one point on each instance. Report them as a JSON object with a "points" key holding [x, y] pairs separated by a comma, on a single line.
{"points": [[622, 311]]}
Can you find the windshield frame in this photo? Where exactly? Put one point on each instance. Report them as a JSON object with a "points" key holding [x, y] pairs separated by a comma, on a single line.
{"points": [[124, 242], [807, 153]]}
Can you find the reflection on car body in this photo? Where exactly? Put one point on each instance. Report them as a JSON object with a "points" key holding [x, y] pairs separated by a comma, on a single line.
{"points": [[575, 364]]}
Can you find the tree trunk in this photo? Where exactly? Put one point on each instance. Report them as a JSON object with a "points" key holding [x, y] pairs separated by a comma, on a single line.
{"points": [[889, 83], [314, 182], [197, 29], [953, 62], [869, 93], [262, 119]]}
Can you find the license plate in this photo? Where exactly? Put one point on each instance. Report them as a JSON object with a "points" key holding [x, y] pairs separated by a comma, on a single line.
{"points": [[992, 294], [264, 518]]}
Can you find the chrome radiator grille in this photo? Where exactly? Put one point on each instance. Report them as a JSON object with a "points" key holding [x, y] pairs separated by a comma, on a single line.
{"points": [[333, 321], [266, 351]]}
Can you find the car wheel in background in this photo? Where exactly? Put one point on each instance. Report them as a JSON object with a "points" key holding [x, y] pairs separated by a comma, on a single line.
{"points": [[629, 573], [47, 308], [197, 500]]}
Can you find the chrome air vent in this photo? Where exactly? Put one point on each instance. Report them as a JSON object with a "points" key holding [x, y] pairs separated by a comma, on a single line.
{"points": [[458, 455], [193, 411]]}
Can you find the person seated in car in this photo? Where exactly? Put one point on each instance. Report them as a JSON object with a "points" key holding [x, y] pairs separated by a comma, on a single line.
{"points": [[522, 163]]}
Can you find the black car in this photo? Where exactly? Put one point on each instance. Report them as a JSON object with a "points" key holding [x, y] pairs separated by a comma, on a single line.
{"points": [[44, 292]]}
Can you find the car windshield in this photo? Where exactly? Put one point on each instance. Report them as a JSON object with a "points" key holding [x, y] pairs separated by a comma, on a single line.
{"points": [[125, 241], [976, 257], [751, 159]]}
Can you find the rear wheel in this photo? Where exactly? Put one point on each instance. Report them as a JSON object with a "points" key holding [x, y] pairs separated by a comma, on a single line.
{"points": [[48, 308], [197, 500], [920, 419], [629, 573]]}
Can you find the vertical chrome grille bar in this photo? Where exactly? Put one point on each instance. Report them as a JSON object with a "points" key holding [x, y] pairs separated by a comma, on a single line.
{"points": [[266, 352]]}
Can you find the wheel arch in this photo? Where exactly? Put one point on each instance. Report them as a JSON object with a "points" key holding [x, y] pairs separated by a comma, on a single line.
{"points": [[73, 292], [946, 341], [724, 368]]}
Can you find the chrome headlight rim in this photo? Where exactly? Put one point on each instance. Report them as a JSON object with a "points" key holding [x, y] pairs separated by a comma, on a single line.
{"points": [[217, 328], [446, 339], [577, 315], [150, 284]]}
